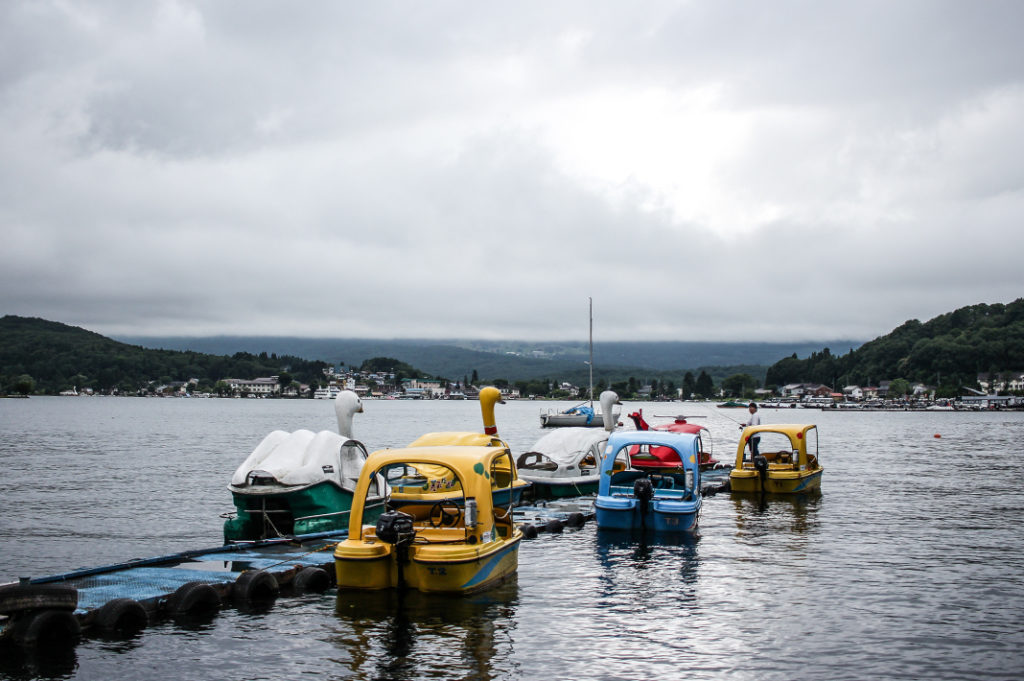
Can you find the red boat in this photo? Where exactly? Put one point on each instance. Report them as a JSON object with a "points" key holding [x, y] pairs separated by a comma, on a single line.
{"points": [[664, 457]]}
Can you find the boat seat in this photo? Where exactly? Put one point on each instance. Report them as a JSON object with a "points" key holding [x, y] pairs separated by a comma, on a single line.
{"points": [[535, 461]]}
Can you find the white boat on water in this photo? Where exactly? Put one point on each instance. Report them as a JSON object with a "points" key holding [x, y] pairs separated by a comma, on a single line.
{"points": [[583, 414], [328, 392]]}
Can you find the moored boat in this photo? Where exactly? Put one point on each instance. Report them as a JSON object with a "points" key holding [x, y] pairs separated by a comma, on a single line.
{"points": [[300, 482], [463, 543], [565, 462], [440, 484], [583, 414], [629, 499], [659, 457], [787, 462]]}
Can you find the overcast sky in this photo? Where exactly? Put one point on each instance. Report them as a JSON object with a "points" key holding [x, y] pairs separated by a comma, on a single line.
{"points": [[704, 170]]}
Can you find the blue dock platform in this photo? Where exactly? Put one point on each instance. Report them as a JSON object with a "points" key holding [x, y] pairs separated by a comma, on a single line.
{"points": [[124, 597]]}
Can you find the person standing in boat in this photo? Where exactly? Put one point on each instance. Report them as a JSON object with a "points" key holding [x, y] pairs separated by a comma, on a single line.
{"points": [[754, 420]]}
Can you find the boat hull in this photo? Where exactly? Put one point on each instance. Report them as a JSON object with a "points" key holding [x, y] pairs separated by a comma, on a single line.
{"points": [[662, 515], [573, 420], [323, 507], [747, 480], [429, 568]]}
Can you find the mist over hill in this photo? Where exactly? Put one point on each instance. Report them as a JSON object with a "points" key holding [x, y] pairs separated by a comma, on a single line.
{"points": [[514, 360]]}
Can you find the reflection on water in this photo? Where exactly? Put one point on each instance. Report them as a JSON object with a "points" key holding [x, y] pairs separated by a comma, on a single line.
{"points": [[907, 565], [42, 661], [774, 513], [405, 634]]}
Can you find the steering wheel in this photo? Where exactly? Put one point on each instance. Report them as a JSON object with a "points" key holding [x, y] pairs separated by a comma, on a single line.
{"points": [[445, 513]]}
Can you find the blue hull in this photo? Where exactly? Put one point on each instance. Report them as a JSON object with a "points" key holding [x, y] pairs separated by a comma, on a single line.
{"points": [[662, 515]]}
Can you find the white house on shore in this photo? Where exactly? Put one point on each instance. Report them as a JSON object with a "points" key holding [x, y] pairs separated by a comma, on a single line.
{"points": [[255, 386]]}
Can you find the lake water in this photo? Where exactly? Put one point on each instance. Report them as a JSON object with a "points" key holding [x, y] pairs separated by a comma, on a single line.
{"points": [[909, 565]]}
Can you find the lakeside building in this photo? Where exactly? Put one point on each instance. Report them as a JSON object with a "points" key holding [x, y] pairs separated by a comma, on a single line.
{"points": [[255, 386], [1012, 381]]}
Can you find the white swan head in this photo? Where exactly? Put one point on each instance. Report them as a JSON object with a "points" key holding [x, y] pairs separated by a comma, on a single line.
{"points": [[609, 398], [346, 404]]}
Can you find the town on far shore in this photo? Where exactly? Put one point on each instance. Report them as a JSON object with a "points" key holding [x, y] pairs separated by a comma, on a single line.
{"points": [[996, 391]]}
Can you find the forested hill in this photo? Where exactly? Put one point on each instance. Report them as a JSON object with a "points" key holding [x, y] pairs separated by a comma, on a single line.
{"points": [[55, 356], [513, 360], [948, 351]]}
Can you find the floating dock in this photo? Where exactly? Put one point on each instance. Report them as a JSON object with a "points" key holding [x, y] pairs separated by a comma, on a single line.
{"points": [[123, 598]]}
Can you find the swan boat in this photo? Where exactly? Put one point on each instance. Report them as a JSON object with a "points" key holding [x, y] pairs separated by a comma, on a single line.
{"points": [[439, 483], [463, 543], [564, 463], [301, 482], [787, 462], [668, 501]]}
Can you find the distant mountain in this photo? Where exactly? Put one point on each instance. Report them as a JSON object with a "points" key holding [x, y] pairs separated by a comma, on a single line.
{"points": [[514, 360], [50, 357], [948, 351]]}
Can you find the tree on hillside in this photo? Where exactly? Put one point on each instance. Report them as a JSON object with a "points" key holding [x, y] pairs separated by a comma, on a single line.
{"points": [[689, 386], [24, 384], [738, 384], [705, 387], [899, 388]]}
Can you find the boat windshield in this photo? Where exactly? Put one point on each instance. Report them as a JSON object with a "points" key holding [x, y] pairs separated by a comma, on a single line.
{"points": [[778, 448]]}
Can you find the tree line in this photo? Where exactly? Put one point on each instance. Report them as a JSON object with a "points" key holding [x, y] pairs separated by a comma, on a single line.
{"points": [[948, 352], [37, 355]]}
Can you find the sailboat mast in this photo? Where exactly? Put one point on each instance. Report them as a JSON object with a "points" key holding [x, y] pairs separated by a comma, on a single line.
{"points": [[591, 300]]}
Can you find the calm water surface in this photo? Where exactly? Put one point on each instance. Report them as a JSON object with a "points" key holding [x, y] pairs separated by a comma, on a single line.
{"points": [[909, 565]]}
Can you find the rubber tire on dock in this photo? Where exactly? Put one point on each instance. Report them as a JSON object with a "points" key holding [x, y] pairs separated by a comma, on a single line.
{"points": [[255, 586], [576, 520], [529, 531], [47, 628], [121, 616], [193, 598], [16, 598], [555, 525], [311, 580]]}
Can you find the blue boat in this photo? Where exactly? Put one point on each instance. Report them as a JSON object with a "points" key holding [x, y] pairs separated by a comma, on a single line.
{"points": [[666, 501]]}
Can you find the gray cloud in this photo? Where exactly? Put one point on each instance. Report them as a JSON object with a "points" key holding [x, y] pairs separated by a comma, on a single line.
{"points": [[709, 170]]}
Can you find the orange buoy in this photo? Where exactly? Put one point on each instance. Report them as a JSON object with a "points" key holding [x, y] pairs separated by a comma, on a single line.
{"points": [[937, 435]]}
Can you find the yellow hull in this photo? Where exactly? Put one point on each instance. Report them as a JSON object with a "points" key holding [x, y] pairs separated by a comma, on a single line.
{"points": [[452, 568], [777, 482]]}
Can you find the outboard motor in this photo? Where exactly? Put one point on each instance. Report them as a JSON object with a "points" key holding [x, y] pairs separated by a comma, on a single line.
{"points": [[396, 528], [643, 490], [761, 464]]}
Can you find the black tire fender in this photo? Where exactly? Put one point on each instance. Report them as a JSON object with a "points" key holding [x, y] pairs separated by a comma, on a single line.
{"points": [[15, 598], [192, 598], [121, 616], [311, 580], [554, 526], [575, 520], [47, 628], [529, 531], [255, 586]]}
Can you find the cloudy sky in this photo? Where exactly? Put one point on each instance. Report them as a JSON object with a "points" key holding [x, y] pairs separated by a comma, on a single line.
{"points": [[704, 170]]}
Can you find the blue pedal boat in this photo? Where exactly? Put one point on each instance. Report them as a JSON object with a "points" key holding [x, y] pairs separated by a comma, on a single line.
{"points": [[667, 501]]}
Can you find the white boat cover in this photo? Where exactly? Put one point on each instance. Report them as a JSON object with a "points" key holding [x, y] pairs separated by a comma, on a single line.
{"points": [[303, 458], [568, 445]]}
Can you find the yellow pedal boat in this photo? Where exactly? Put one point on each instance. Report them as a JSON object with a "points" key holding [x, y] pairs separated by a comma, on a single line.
{"points": [[507, 486], [462, 544], [787, 462]]}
